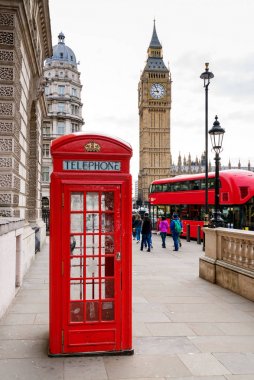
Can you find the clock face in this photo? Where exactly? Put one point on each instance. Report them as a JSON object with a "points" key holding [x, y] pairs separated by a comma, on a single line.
{"points": [[157, 91]]}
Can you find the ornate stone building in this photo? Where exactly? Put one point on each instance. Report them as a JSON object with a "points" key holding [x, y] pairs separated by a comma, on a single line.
{"points": [[190, 166], [154, 119], [25, 42], [63, 95]]}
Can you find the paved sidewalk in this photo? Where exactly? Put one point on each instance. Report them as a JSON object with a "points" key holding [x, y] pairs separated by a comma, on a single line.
{"points": [[184, 328]]}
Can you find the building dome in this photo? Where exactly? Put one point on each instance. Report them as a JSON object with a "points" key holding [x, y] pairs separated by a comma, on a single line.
{"points": [[62, 53]]}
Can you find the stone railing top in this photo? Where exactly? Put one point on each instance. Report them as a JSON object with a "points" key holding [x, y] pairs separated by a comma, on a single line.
{"points": [[9, 224], [230, 232]]}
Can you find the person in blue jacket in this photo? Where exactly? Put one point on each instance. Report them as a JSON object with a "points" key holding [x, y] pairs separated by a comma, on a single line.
{"points": [[176, 228]]}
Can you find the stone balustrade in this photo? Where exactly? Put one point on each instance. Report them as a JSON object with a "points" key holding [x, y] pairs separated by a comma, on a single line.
{"points": [[229, 260], [238, 250]]}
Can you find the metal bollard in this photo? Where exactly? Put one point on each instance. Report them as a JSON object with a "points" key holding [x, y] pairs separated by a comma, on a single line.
{"points": [[199, 235], [188, 232]]}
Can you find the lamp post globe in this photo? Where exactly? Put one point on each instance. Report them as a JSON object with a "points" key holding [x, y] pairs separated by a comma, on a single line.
{"points": [[216, 134], [206, 76]]}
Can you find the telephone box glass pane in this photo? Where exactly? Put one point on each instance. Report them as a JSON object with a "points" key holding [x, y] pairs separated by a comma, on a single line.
{"points": [[92, 201], [77, 290], [92, 289], [77, 267], [77, 245], [107, 288], [92, 267], [108, 311], [77, 223], [92, 222], [109, 266], [107, 222], [107, 201], [77, 201], [92, 311], [107, 244], [102, 266], [76, 312], [92, 245]]}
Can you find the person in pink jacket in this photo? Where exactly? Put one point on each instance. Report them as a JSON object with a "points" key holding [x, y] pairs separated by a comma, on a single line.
{"points": [[163, 228]]}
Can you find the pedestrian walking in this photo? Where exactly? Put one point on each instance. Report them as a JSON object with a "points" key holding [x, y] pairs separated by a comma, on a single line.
{"points": [[134, 216], [176, 229], [137, 225], [146, 231], [179, 238], [163, 228]]}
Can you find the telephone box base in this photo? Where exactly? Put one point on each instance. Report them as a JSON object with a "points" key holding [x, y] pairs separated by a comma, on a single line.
{"points": [[98, 353]]}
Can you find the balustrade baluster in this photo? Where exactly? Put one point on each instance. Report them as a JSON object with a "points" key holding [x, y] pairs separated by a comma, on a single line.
{"points": [[251, 255], [230, 249], [234, 248], [225, 248], [244, 258]]}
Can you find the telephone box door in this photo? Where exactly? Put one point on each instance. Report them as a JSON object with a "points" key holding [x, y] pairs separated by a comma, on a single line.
{"points": [[91, 268]]}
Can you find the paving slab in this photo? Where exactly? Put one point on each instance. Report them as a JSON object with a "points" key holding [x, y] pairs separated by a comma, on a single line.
{"points": [[138, 366], [169, 329], [23, 348], [230, 344], [86, 368], [199, 378], [239, 377], [31, 369], [157, 345], [237, 363], [18, 319], [203, 364]]}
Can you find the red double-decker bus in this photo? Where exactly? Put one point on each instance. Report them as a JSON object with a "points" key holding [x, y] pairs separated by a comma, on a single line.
{"points": [[185, 194]]}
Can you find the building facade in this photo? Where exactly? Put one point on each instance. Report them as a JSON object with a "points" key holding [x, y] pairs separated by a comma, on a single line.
{"points": [[64, 106], [154, 102], [25, 42], [191, 166]]}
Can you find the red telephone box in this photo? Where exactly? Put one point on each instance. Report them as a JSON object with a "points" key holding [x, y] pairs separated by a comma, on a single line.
{"points": [[90, 246]]}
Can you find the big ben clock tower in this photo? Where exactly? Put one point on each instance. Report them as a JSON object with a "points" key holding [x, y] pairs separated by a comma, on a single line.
{"points": [[154, 119]]}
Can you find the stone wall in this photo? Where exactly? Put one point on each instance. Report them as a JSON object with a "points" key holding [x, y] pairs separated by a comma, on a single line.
{"points": [[229, 260], [17, 248], [25, 42]]}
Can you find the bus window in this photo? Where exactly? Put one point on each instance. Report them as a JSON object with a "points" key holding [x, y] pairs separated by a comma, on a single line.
{"points": [[211, 183], [249, 215], [195, 185], [176, 186], [161, 210], [185, 185], [158, 188], [202, 184]]}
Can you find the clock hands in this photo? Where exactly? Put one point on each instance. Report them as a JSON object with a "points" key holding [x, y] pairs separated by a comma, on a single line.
{"points": [[157, 90]]}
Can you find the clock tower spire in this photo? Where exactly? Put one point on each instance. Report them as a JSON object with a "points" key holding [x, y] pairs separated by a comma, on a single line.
{"points": [[154, 119]]}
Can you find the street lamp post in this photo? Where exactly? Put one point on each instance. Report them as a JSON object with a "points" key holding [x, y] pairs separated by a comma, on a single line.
{"points": [[216, 133], [206, 76]]}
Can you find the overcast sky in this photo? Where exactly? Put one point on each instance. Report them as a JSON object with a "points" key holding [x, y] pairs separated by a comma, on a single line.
{"points": [[110, 39]]}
